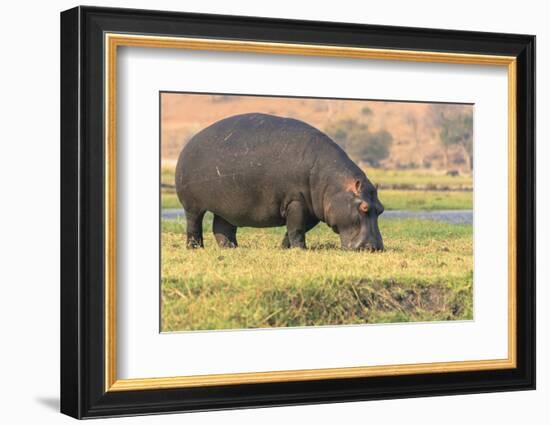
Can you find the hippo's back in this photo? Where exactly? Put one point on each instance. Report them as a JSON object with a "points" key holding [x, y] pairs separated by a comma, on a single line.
{"points": [[246, 168]]}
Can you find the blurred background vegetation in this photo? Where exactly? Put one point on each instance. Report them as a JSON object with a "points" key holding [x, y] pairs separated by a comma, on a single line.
{"points": [[384, 135]]}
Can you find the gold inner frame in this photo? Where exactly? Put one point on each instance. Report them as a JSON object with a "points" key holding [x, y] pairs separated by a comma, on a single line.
{"points": [[113, 41]]}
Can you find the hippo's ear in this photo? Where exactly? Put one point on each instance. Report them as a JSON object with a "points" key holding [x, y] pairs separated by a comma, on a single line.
{"points": [[354, 186], [357, 187]]}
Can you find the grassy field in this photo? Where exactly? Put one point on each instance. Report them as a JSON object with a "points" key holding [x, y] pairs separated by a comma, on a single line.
{"points": [[425, 274], [400, 190], [419, 179], [412, 200]]}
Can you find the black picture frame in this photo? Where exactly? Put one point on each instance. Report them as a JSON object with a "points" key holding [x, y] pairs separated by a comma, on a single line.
{"points": [[83, 392]]}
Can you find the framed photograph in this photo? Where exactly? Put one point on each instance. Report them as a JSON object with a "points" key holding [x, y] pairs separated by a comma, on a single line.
{"points": [[261, 212]]}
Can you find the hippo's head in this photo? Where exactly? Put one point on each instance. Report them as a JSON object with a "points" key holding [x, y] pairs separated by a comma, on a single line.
{"points": [[353, 214]]}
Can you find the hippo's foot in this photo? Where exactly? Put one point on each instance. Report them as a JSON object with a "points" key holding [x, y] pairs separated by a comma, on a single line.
{"points": [[286, 243], [224, 243], [194, 229], [297, 243], [225, 233], [193, 243]]}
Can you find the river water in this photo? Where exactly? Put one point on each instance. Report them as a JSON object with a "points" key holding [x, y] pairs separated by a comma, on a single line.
{"points": [[447, 216]]}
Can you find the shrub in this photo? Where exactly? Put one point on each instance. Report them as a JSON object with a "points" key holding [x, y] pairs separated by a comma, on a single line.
{"points": [[359, 143], [366, 110]]}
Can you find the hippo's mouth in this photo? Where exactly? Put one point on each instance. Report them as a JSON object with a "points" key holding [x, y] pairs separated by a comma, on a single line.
{"points": [[366, 237], [378, 247]]}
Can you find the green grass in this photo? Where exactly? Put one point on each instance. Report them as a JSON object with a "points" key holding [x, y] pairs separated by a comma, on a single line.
{"points": [[169, 199], [418, 179], [393, 199], [167, 175], [424, 274], [414, 200], [411, 179]]}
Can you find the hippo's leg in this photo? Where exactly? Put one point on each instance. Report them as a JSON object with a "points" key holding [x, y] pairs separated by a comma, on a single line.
{"points": [[296, 226], [194, 229], [309, 225], [225, 233]]}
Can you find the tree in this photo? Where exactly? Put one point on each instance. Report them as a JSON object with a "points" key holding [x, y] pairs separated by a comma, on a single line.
{"points": [[456, 129], [365, 110], [360, 143], [412, 122]]}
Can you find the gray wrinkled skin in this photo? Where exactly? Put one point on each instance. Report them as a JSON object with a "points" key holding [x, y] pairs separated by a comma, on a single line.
{"points": [[261, 170]]}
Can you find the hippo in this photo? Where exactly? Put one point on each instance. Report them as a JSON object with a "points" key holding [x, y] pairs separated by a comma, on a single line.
{"points": [[261, 170]]}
